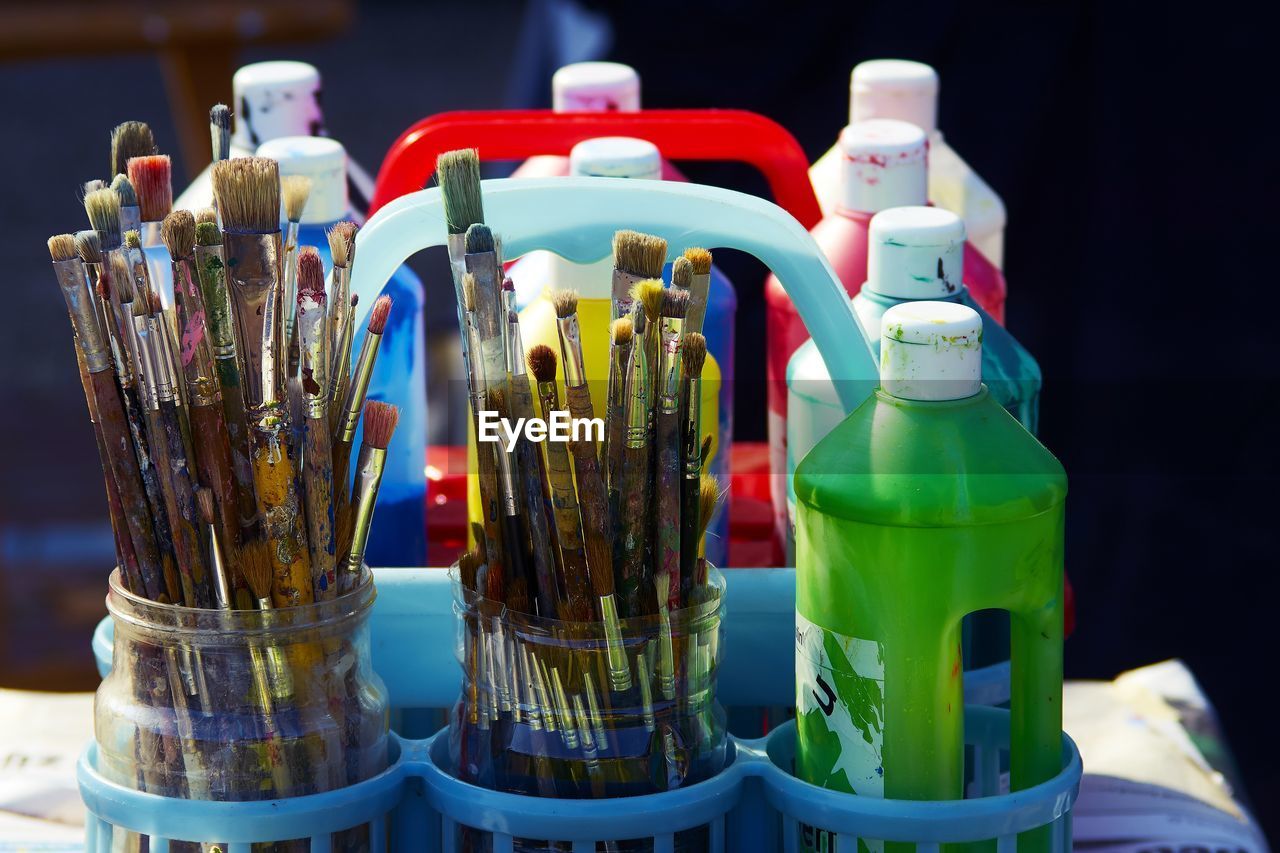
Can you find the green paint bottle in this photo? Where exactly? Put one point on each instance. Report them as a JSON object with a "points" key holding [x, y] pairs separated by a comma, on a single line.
{"points": [[928, 503]]}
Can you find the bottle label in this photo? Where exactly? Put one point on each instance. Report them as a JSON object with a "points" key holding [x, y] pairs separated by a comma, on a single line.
{"points": [[839, 719]]}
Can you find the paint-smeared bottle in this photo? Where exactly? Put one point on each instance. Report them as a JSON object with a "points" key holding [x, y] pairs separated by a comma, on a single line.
{"points": [[927, 503]]}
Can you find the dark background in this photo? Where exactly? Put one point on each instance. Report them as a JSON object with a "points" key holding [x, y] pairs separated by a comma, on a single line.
{"points": [[1135, 155]]}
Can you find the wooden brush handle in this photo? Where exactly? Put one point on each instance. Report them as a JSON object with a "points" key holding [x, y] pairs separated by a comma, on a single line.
{"points": [[138, 431], [275, 471], [490, 503], [180, 498], [341, 473], [564, 504], [544, 572], [634, 580], [215, 472], [237, 423], [578, 399], [317, 480], [596, 524], [124, 470], [667, 520], [689, 510]]}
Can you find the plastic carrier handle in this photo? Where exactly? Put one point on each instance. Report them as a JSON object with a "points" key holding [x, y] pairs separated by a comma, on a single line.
{"points": [[727, 135], [577, 217]]}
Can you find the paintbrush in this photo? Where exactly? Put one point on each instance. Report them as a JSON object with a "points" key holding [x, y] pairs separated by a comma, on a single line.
{"points": [[89, 248], [635, 489], [491, 317], [220, 131], [458, 174], [699, 288], [693, 356], [649, 296], [92, 186], [517, 570], [636, 257], [621, 334], [247, 190], [529, 462], [317, 454], [208, 422], [130, 139], [342, 248], [564, 500], [486, 458], [675, 304], [152, 179], [140, 563], [353, 404], [130, 212], [248, 194], [294, 190], [380, 421], [210, 259]]}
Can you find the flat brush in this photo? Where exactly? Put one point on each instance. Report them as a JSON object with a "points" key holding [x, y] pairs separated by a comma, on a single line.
{"points": [[636, 257], [699, 288], [211, 269], [220, 132], [621, 334], [669, 466], [517, 570], [89, 248], [295, 190], [130, 139], [564, 500], [208, 423], [458, 174], [529, 466], [380, 421], [317, 454], [693, 356], [152, 179], [353, 404], [490, 313], [342, 249], [140, 563]]}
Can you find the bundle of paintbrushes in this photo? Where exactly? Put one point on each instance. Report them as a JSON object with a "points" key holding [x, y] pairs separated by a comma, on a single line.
{"points": [[590, 616], [227, 467]]}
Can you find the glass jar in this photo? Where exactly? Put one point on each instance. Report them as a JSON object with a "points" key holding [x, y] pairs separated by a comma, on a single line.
{"points": [[543, 713], [240, 704]]}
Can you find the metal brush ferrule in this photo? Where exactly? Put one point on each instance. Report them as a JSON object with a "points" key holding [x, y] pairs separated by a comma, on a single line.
{"points": [[339, 307], [646, 691], [693, 431], [359, 387], [545, 699], [506, 477], [621, 304], [597, 719], [666, 653], [272, 361], [84, 314], [368, 476], [221, 589], [148, 364], [637, 399], [548, 398], [313, 341], [563, 710], [619, 671], [575, 375], [252, 269], [166, 377], [699, 292], [584, 731], [211, 268], [515, 347], [669, 381], [290, 241], [457, 245]]}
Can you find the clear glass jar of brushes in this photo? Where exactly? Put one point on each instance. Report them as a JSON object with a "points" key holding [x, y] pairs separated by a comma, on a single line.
{"points": [[240, 705], [545, 710]]}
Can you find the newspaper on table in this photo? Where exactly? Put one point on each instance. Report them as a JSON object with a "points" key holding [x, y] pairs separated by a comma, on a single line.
{"points": [[41, 738]]}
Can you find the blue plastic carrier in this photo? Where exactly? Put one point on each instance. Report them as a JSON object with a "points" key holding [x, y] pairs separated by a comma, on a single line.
{"points": [[754, 804]]}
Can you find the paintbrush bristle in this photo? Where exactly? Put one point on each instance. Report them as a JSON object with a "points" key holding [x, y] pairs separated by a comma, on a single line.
{"points": [[128, 140], [220, 131], [706, 450], [254, 560], [693, 354], [103, 208], [120, 280], [709, 492], [495, 400], [204, 504], [682, 274], [208, 234], [469, 291], [621, 331], [701, 260], [247, 190], [468, 568], [89, 246], [380, 421], [295, 190], [565, 302], [123, 187], [599, 560], [341, 237], [641, 255], [310, 275], [344, 531], [92, 186], [178, 231], [542, 363], [675, 303], [458, 174], [62, 247], [132, 239], [206, 214], [152, 179], [379, 314], [649, 295], [479, 238]]}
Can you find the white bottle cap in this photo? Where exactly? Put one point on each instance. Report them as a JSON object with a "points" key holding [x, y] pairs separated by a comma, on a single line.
{"points": [[322, 160], [884, 164], [931, 351], [915, 253], [595, 87], [616, 157], [894, 88], [274, 99]]}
